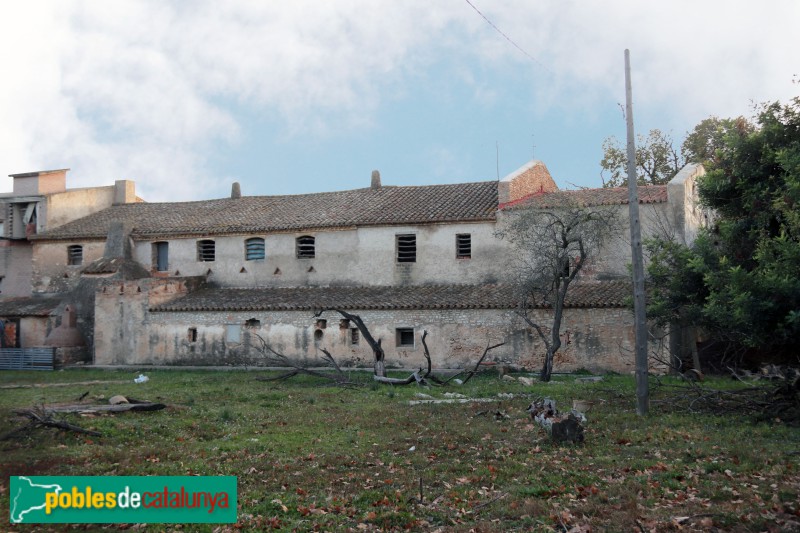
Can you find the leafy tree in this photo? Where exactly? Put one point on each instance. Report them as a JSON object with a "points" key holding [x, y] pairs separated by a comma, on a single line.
{"points": [[708, 137], [657, 160], [552, 242], [657, 157], [740, 279]]}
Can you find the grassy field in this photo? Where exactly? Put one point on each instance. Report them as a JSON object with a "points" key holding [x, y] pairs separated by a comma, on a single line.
{"points": [[309, 456]]}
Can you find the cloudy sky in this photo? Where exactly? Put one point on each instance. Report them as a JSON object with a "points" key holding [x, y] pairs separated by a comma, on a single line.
{"points": [[307, 96]]}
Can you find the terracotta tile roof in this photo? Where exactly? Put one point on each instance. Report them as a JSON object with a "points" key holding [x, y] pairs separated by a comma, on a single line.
{"points": [[651, 194], [261, 214], [489, 296], [28, 306]]}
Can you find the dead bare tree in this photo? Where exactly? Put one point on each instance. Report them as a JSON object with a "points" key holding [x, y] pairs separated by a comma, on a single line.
{"points": [[552, 240], [278, 359], [377, 350]]}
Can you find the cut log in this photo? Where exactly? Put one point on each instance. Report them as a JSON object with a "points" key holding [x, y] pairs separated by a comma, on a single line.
{"points": [[561, 428], [84, 408]]}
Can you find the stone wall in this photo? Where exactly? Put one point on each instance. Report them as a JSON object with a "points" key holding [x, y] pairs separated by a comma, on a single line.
{"points": [[126, 332]]}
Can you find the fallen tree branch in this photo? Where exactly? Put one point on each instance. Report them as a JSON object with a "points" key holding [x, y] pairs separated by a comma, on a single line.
{"points": [[415, 377], [86, 408], [478, 364], [41, 417], [339, 377]]}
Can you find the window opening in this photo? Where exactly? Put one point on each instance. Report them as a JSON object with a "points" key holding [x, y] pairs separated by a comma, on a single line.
{"points": [[404, 337], [233, 333], [354, 336], [252, 323], [463, 246], [74, 254], [192, 335], [305, 246], [407, 248], [254, 249], [161, 256], [206, 250]]}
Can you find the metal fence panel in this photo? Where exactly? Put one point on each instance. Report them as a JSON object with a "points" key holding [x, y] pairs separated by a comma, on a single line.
{"points": [[26, 358]]}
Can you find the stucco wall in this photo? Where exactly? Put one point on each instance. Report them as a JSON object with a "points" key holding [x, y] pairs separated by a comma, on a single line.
{"points": [[15, 267], [33, 330], [76, 203], [127, 333], [363, 256], [51, 273], [685, 203]]}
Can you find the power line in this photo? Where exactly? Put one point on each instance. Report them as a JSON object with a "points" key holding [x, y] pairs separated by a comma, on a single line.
{"points": [[498, 30]]}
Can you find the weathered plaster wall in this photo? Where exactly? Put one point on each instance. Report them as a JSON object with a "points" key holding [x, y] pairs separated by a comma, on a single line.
{"points": [[684, 201], [15, 268], [363, 256], [51, 273], [121, 315], [33, 330], [127, 333], [76, 203]]}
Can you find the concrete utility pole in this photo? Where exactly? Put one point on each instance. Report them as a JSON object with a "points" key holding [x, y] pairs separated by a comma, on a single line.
{"points": [[639, 316]]}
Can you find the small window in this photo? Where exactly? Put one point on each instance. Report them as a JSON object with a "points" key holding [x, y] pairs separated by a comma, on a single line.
{"points": [[206, 250], [463, 246], [161, 256], [233, 333], [192, 335], [354, 336], [404, 337], [74, 254], [252, 323], [407, 248], [254, 249], [305, 246]]}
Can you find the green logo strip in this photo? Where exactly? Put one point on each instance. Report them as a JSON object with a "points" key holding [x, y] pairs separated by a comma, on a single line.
{"points": [[122, 499]]}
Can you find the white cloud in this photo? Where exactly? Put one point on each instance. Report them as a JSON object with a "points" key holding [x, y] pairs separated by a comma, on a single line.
{"points": [[146, 90]]}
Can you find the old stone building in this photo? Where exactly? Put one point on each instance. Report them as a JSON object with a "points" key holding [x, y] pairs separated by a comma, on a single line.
{"points": [[192, 283], [40, 201]]}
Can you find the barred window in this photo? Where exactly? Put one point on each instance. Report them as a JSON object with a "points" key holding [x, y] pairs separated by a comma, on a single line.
{"points": [[206, 250], [74, 254], [305, 246], [254, 249], [404, 337], [463, 246], [407, 248]]}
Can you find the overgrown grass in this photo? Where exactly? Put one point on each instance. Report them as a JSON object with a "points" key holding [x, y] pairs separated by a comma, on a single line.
{"points": [[311, 456]]}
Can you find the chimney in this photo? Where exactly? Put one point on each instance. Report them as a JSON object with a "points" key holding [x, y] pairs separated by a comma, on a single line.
{"points": [[236, 190], [41, 182], [124, 192], [376, 180], [118, 242]]}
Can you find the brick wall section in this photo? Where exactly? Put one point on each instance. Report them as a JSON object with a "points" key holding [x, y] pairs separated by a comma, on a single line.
{"points": [[531, 178]]}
